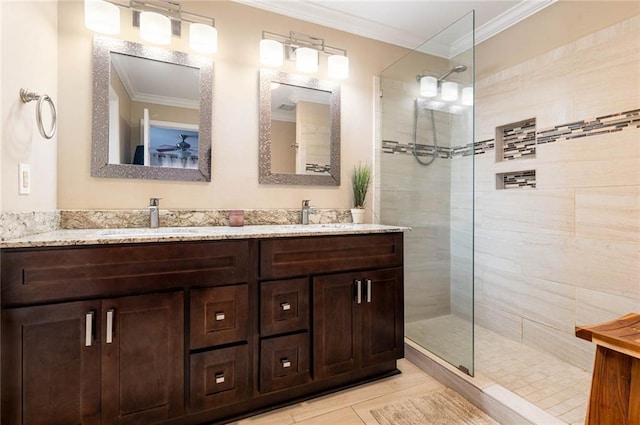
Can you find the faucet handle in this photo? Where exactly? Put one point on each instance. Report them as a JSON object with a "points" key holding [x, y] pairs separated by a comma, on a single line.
{"points": [[154, 202]]}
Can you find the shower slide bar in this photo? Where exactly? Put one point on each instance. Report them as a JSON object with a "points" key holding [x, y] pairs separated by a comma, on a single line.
{"points": [[28, 96]]}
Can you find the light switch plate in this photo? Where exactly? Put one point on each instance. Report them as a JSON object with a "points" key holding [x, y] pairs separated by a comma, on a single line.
{"points": [[24, 179]]}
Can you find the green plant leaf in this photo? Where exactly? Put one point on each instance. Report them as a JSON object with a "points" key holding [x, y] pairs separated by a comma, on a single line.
{"points": [[360, 180]]}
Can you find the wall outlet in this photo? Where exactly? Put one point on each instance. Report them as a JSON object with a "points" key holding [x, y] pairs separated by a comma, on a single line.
{"points": [[24, 179]]}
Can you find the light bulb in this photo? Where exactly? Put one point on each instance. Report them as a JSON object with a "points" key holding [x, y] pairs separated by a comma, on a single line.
{"points": [[101, 16], [428, 86], [449, 91], [306, 59], [271, 53], [155, 28], [338, 66], [203, 38]]}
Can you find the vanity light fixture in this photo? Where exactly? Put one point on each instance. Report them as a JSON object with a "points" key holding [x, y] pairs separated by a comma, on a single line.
{"points": [[307, 60], [467, 96], [158, 20], [101, 16], [155, 28], [304, 49], [428, 86], [449, 91], [271, 53]]}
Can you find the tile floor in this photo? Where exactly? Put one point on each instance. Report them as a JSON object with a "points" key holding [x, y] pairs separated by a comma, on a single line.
{"points": [[352, 406], [542, 379], [549, 383]]}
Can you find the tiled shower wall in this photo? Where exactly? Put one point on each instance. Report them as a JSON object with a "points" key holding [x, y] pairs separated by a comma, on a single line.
{"points": [[421, 197], [566, 253]]}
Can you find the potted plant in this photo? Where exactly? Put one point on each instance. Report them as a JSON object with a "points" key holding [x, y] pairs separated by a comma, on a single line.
{"points": [[360, 180]]}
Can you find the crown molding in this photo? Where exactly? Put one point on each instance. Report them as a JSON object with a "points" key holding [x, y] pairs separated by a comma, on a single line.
{"points": [[517, 13], [321, 15]]}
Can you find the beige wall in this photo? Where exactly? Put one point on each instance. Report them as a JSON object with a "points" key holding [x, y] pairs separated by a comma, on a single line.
{"points": [[29, 60], [557, 25], [566, 253], [313, 129], [235, 116], [283, 156]]}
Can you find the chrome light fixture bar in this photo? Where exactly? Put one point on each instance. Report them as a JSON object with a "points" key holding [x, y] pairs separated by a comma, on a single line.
{"points": [[158, 20], [304, 49]]}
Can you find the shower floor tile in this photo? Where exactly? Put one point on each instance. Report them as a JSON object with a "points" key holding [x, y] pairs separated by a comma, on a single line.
{"points": [[540, 378]]}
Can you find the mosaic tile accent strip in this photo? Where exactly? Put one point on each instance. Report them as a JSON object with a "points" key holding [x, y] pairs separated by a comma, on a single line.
{"points": [[599, 125], [394, 147], [517, 180], [318, 168], [518, 140], [628, 120], [484, 146]]}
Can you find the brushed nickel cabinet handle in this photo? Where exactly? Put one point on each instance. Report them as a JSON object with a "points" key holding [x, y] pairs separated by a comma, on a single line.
{"points": [[358, 291], [285, 363], [109, 335], [219, 316], [219, 378], [88, 329], [368, 288], [285, 306]]}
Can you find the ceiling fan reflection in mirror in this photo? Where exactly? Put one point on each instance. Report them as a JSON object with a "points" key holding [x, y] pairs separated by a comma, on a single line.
{"points": [[182, 154]]}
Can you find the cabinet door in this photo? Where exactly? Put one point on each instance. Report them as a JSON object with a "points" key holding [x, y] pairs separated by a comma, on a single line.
{"points": [[336, 339], [382, 316], [51, 366], [142, 358]]}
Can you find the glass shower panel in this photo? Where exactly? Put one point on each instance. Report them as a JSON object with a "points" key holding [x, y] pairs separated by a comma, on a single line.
{"points": [[426, 183]]}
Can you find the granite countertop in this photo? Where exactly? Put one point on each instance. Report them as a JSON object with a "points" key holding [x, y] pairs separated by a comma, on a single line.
{"points": [[173, 234]]}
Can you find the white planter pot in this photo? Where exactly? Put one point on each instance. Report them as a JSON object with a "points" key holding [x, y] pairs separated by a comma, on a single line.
{"points": [[357, 215]]}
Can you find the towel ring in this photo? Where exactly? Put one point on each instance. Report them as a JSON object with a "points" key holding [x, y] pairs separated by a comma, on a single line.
{"points": [[28, 96]]}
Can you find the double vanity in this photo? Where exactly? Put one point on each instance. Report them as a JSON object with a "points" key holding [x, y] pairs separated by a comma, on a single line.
{"points": [[194, 325]]}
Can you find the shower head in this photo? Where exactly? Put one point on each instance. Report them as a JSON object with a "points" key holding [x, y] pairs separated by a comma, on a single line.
{"points": [[459, 68]]}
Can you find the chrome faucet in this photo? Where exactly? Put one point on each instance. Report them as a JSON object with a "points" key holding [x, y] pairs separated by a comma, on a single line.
{"points": [[154, 212], [306, 209]]}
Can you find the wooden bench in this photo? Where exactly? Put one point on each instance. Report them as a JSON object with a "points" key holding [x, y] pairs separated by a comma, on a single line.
{"points": [[615, 387]]}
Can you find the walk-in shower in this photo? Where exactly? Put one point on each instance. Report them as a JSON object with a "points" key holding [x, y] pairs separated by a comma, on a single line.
{"points": [[427, 117], [424, 118], [421, 104]]}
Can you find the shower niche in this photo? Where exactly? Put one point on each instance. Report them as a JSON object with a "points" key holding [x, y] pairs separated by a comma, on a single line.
{"points": [[516, 141]]}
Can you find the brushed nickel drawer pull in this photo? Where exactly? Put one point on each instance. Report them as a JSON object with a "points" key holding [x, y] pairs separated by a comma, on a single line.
{"points": [[369, 289], [109, 336], [219, 315], [285, 363], [219, 378], [358, 291], [285, 306], [88, 331]]}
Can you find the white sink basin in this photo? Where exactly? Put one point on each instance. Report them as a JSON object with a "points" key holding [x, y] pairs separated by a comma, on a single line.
{"points": [[160, 231]]}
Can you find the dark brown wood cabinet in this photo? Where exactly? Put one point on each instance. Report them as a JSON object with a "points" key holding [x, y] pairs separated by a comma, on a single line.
{"points": [[142, 358], [115, 361], [357, 321], [50, 373], [187, 333]]}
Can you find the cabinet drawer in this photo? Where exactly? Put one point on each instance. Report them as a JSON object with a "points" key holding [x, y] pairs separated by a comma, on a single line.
{"points": [[284, 362], [219, 315], [307, 255], [284, 306], [63, 273], [219, 377]]}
